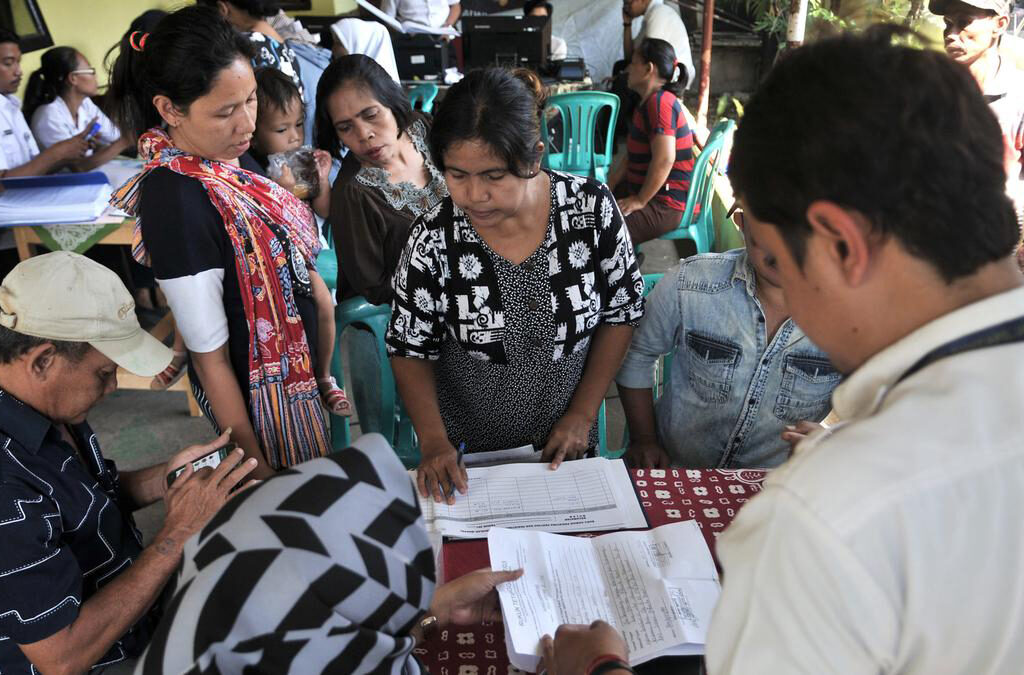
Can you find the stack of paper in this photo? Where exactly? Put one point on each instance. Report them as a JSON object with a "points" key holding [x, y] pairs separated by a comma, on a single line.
{"points": [[657, 588], [584, 495], [120, 170], [56, 199]]}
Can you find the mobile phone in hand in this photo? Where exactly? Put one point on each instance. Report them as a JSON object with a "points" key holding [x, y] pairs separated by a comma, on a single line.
{"points": [[211, 460]]}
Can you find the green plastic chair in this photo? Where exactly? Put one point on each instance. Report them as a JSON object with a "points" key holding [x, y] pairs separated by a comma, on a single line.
{"points": [[395, 422], [710, 162], [327, 267], [579, 113], [424, 95], [327, 261]]}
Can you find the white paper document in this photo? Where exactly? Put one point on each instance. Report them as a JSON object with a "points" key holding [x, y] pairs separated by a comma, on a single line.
{"points": [[657, 588], [120, 170], [583, 495], [54, 204]]}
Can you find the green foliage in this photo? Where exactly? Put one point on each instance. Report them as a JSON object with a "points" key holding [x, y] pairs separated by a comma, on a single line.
{"points": [[830, 16], [725, 102]]}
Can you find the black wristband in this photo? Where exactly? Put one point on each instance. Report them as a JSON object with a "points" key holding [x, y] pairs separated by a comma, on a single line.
{"points": [[609, 666]]}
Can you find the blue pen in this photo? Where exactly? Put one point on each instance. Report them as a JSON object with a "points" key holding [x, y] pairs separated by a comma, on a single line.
{"points": [[458, 462], [94, 130]]}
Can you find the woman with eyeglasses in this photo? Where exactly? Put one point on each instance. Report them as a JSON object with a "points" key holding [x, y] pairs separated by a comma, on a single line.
{"points": [[58, 103]]}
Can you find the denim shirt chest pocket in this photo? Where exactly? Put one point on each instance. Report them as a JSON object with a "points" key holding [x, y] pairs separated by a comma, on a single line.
{"points": [[805, 393], [712, 362]]}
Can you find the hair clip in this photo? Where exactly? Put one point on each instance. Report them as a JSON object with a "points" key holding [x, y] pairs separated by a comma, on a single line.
{"points": [[141, 44]]}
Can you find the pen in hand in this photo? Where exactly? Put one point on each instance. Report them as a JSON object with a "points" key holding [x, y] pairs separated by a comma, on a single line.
{"points": [[458, 463]]}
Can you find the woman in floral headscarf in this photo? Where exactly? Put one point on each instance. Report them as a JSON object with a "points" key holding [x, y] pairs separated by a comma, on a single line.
{"points": [[232, 250]]}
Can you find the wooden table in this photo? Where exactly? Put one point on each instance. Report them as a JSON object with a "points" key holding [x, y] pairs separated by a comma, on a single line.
{"points": [[25, 238]]}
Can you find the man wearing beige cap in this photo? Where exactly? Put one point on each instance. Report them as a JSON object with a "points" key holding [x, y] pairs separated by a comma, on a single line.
{"points": [[77, 588], [972, 34]]}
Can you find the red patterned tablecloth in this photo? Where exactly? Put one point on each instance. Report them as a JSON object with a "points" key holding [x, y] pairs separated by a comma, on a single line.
{"points": [[710, 496]]}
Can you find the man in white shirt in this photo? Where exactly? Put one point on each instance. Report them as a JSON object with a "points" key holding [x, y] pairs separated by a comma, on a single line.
{"points": [[659, 21], [894, 542], [433, 13], [19, 154]]}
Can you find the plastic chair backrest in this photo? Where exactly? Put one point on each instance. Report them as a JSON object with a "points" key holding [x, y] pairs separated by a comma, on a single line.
{"points": [[424, 94], [710, 162], [579, 112], [396, 425], [327, 267]]}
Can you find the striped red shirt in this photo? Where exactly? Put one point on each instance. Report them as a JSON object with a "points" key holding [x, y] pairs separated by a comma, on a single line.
{"points": [[661, 113]]}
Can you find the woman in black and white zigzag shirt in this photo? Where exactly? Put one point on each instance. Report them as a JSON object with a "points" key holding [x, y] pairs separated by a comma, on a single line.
{"points": [[515, 298], [325, 568]]}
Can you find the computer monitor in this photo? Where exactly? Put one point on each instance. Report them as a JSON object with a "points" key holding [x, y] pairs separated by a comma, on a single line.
{"points": [[514, 41]]}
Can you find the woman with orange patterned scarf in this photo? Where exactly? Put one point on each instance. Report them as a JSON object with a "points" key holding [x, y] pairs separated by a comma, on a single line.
{"points": [[232, 250]]}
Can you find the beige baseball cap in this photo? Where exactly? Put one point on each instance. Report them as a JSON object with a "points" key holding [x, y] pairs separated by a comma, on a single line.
{"points": [[66, 296], [1000, 7]]}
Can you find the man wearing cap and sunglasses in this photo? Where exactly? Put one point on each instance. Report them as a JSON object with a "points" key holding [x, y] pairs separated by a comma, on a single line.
{"points": [[77, 588], [972, 35]]}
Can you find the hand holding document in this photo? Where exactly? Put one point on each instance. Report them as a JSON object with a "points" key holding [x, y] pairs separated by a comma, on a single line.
{"points": [[585, 495], [657, 588]]}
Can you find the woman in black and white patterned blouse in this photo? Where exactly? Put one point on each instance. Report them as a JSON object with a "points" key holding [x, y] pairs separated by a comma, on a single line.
{"points": [[515, 297]]}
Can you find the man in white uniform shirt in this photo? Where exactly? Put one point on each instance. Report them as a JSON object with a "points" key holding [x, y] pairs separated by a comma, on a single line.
{"points": [[894, 542], [19, 154], [433, 13]]}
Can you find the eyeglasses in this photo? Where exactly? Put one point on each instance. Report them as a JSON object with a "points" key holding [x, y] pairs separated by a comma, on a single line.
{"points": [[83, 71]]}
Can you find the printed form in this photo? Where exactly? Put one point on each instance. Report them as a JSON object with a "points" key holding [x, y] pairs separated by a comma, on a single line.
{"points": [[657, 587], [583, 495]]}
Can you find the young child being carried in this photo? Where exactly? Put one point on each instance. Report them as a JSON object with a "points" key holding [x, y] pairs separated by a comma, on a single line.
{"points": [[745, 383], [280, 121]]}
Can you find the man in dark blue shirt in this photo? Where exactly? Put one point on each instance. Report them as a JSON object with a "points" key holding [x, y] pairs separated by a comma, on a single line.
{"points": [[77, 588]]}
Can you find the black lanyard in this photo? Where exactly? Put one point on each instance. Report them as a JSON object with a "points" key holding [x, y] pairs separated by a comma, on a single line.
{"points": [[1001, 334]]}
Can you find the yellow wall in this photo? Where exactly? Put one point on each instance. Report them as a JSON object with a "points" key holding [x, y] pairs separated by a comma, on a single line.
{"points": [[90, 26], [93, 26], [328, 7]]}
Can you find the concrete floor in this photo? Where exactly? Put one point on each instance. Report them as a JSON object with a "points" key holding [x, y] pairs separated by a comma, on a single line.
{"points": [[141, 428]]}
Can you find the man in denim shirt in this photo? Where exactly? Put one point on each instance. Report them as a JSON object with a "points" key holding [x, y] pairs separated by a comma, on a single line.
{"points": [[741, 372]]}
